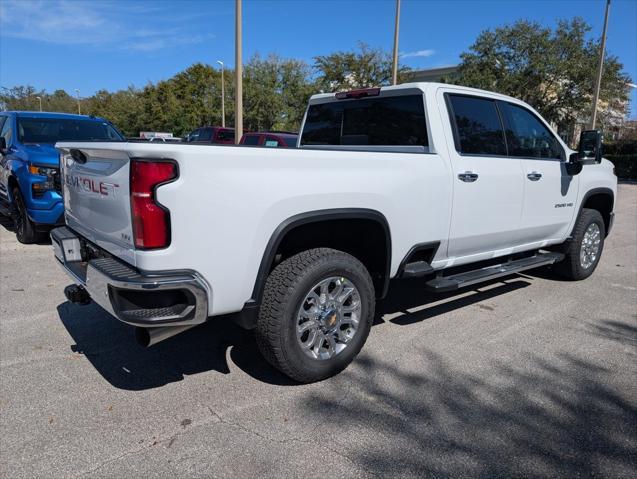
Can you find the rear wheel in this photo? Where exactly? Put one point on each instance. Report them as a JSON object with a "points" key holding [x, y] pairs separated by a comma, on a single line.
{"points": [[24, 227], [316, 314], [584, 250]]}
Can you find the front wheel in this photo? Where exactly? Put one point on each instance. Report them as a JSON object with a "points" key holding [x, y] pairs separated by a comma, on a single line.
{"points": [[583, 251], [317, 311], [24, 227]]}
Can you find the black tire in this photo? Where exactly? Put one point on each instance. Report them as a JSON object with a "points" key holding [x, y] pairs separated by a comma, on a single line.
{"points": [[285, 290], [572, 268], [24, 227]]}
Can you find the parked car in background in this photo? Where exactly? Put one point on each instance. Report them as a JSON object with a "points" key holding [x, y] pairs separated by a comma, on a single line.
{"points": [[30, 175], [211, 134], [275, 139], [159, 139]]}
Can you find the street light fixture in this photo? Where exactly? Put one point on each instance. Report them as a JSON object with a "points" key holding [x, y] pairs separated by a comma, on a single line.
{"points": [[223, 99], [40, 100], [394, 65], [79, 108], [600, 67]]}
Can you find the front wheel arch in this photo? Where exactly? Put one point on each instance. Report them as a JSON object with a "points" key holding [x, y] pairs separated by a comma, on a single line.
{"points": [[602, 200]]}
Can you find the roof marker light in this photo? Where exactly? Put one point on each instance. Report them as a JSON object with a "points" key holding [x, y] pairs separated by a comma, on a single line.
{"points": [[360, 93]]}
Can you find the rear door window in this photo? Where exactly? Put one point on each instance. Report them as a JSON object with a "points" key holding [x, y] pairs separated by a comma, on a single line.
{"points": [[271, 141], [290, 141], [477, 124], [388, 121], [251, 140], [225, 135], [527, 136], [205, 134], [194, 136]]}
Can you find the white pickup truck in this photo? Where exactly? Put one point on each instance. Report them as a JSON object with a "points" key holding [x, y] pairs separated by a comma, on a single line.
{"points": [[449, 184]]}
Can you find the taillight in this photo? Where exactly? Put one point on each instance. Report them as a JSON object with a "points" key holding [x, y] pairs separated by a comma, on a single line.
{"points": [[151, 221]]}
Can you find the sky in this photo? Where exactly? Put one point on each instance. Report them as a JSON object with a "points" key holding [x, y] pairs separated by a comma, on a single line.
{"points": [[92, 45]]}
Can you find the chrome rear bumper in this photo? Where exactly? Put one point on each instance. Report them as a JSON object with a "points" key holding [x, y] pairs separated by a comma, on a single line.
{"points": [[137, 298]]}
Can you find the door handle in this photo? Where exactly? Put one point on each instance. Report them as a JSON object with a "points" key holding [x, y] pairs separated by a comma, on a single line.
{"points": [[534, 176], [468, 176]]}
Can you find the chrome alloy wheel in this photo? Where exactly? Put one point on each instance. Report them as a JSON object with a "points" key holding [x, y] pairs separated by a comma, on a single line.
{"points": [[590, 246], [328, 318]]}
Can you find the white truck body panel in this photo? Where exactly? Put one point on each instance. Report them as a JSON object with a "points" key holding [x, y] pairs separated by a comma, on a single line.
{"points": [[96, 199], [228, 201]]}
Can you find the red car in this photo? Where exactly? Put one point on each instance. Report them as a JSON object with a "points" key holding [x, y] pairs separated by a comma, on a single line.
{"points": [[211, 134], [280, 139]]}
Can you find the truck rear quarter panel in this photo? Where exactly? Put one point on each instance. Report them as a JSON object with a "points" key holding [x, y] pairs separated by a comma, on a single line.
{"points": [[228, 201]]}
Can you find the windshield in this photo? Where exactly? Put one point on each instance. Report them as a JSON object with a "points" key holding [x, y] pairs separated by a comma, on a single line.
{"points": [[51, 130]]}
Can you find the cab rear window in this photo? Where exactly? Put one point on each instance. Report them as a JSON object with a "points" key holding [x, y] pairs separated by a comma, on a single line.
{"points": [[388, 121]]}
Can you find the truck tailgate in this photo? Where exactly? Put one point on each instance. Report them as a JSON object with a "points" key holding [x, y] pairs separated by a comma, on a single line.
{"points": [[96, 197]]}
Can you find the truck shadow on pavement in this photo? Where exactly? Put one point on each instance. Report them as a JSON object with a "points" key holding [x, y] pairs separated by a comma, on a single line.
{"points": [[553, 415], [111, 348], [7, 223]]}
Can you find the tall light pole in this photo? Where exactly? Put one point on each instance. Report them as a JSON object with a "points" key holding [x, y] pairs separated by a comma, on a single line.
{"points": [[238, 76], [79, 108], [394, 67], [223, 98], [40, 100], [600, 66]]}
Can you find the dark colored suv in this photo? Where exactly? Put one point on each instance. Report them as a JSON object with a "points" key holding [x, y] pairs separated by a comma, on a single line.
{"points": [[211, 134], [280, 139]]}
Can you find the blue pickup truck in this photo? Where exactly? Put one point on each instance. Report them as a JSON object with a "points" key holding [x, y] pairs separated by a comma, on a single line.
{"points": [[30, 175]]}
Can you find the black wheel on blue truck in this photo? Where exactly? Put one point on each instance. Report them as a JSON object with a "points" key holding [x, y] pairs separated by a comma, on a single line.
{"points": [[316, 314], [24, 228]]}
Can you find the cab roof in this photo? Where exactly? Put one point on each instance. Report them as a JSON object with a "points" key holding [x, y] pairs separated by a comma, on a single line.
{"points": [[53, 115], [422, 86]]}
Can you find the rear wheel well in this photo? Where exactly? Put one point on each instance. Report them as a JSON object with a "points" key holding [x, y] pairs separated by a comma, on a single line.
{"points": [[602, 202], [366, 239]]}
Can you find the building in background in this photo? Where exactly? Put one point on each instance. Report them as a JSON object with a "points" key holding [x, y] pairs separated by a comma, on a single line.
{"points": [[440, 74]]}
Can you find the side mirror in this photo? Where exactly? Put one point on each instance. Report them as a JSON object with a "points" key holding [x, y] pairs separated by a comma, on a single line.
{"points": [[590, 146], [3, 145], [573, 165]]}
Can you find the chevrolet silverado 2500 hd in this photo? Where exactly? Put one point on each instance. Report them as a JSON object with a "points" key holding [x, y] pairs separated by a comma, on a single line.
{"points": [[445, 183]]}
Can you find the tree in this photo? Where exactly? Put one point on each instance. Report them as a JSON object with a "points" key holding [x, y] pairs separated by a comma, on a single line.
{"points": [[276, 91], [367, 67], [123, 108], [552, 70]]}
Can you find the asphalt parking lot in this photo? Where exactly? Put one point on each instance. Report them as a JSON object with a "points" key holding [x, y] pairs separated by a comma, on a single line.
{"points": [[529, 376]]}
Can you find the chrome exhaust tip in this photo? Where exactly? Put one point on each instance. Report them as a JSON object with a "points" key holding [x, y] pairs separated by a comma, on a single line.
{"points": [[150, 336]]}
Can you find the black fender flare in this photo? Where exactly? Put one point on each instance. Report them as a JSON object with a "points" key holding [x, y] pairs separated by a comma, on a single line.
{"points": [[597, 191], [314, 217]]}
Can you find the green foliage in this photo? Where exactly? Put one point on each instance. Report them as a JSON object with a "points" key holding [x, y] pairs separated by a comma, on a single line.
{"points": [[625, 165], [276, 91], [25, 98], [625, 146], [552, 70], [367, 67]]}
